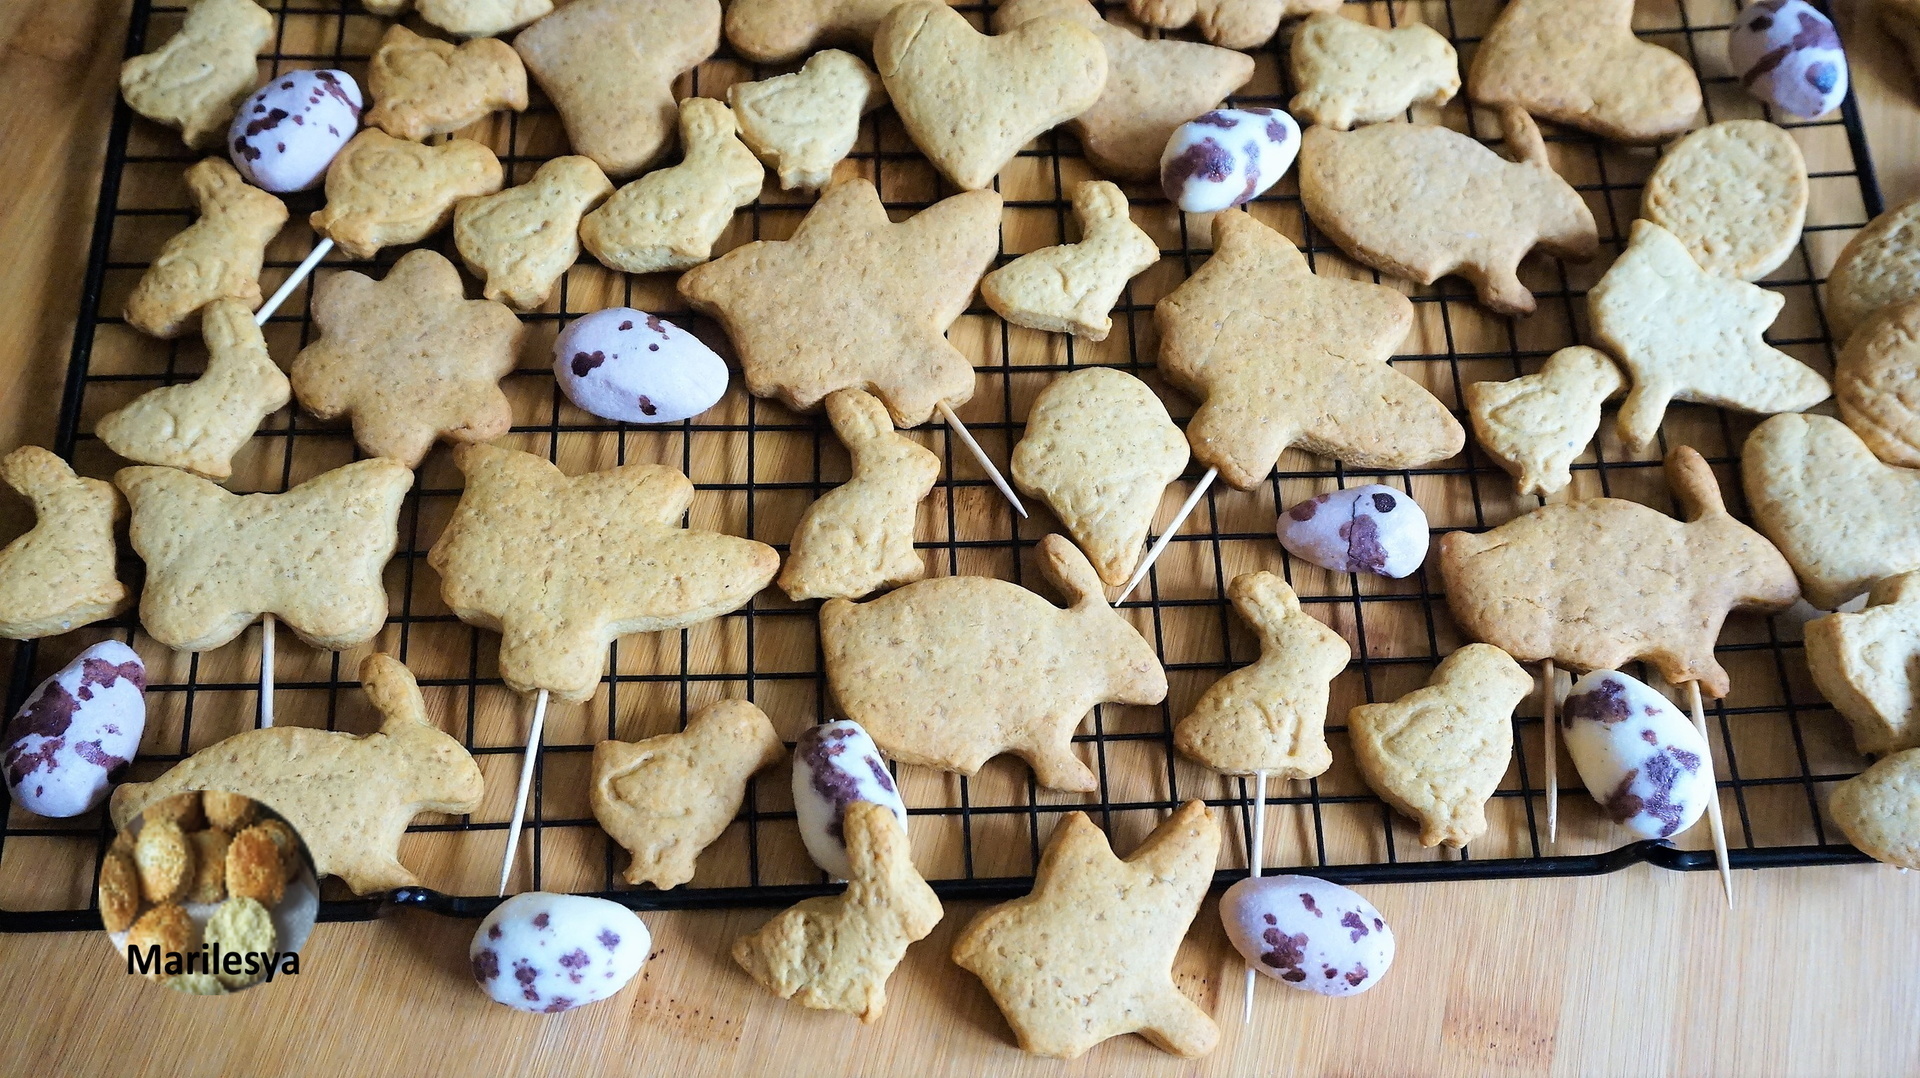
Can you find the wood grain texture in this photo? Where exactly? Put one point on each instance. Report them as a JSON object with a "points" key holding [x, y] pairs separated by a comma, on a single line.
{"points": [[1642, 972]]}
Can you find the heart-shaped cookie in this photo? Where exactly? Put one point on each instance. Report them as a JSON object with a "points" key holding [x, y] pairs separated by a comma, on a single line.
{"points": [[970, 101]]}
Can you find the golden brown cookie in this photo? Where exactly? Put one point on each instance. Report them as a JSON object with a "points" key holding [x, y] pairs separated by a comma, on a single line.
{"points": [[1879, 809], [1420, 201], [1233, 24], [858, 537], [609, 66], [667, 798], [952, 672], [970, 100], [481, 18], [1582, 65], [1437, 754], [383, 191], [670, 218], [879, 298], [1865, 664], [836, 953], [529, 554], [521, 241], [1351, 73], [254, 869], [1735, 193], [1876, 381], [1594, 585], [209, 865], [802, 124], [1534, 425], [168, 927], [1879, 265], [243, 926], [217, 256], [119, 891], [423, 86], [1089, 953], [1281, 357], [199, 425], [287, 842], [1154, 84], [1100, 449], [196, 81], [409, 358], [778, 31], [164, 858], [228, 812], [350, 797], [185, 810], [1073, 287], [59, 575], [1269, 716], [312, 556]]}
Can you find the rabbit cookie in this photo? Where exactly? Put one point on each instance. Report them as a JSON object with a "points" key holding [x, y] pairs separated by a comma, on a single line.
{"points": [[423, 86], [1582, 65], [1100, 450], [313, 556], [1073, 287], [521, 241], [559, 565], [952, 672], [1420, 202], [350, 798], [1232, 24], [60, 575], [1685, 334], [383, 191], [1536, 424], [1269, 716], [197, 79], [1597, 584], [1437, 754], [802, 124], [217, 256], [1351, 73], [1865, 664], [858, 538], [201, 424], [667, 798], [836, 953], [669, 219]]}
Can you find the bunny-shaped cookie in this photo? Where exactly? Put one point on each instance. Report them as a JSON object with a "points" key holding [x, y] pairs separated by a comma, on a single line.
{"points": [[217, 255], [669, 220], [1072, 287], [60, 575], [858, 538]]}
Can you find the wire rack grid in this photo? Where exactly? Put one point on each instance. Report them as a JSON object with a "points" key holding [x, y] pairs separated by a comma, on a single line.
{"points": [[756, 466]]}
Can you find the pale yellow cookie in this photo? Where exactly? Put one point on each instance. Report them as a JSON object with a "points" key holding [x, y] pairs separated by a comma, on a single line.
{"points": [[1866, 663], [61, 574], [1581, 64], [669, 219], [1437, 754], [521, 241], [423, 86], [196, 81], [243, 926], [1100, 449], [1072, 288], [1735, 194], [1879, 265], [1233, 24], [383, 191], [1879, 809], [1876, 380], [858, 538], [1351, 73], [481, 18], [216, 257], [779, 31], [804, 123], [1534, 425]]}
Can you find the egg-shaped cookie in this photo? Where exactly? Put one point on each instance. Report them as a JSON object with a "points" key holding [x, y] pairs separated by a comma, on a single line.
{"points": [[1735, 194]]}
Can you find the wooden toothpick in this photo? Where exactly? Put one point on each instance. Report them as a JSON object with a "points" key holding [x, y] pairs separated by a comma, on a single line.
{"points": [[527, 761], [979, 454], [1180, 516], [1254, 858], [1713, 789], [1548, 701]]}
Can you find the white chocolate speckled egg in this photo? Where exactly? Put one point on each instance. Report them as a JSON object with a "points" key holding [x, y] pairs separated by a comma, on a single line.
{"points": [[633, 367], [1788, 54], [1305, 932], [548, 953], [1224, 158], [1372, 529], [834, 765], [75, 730], [286, 134], [1640, 758]]}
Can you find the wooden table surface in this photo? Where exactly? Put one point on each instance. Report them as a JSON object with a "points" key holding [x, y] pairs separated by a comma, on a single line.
{"points": [[1817, 972]]}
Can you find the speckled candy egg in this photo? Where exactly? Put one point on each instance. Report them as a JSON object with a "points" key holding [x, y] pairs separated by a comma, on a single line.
{"points": [[547, 953], [1308, 933], [286, 134], [78, 727], [1788, 54], [1225, 157], [1371, 529], [834, 765], [633, 367], [1639, 756]]}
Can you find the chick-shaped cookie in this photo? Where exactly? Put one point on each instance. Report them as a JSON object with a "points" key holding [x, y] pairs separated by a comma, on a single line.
{"points": [[970, 100], [804, 122], [1597, 584], [667, 798], [1100, 449], [409, 358], [669, 219], [198, 78], [952, 672], [423, 86], [521, 241], [383, 191], [1270, 716], [1232, 24], [858, 538], [1281, 357], [559, 565], [1351, 73], [1534, 425], [1072, 288], [199, 425], [313, 556], [1089, 953], [1686, 334], [877, 301], [1422, 201], [1879, 809], [1866, 664], [59, 575], [1437, 754], [217, 256], [836, 953], [350, 798], [778, 31], [1581, 64]]}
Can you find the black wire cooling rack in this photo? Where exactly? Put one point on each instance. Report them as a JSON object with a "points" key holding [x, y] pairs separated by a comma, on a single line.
{"points": [[756, 466]]}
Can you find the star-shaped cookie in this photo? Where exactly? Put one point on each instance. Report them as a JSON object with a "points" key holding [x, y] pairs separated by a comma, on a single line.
{"points": [[854, 300], [410, 358], [560, 566], [1281, 357], [1089, 954]]}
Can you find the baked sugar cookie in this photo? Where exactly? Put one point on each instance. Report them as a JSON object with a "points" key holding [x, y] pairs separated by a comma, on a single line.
{"points": [[1232, 24], [59, 575], [1534, 426], [217, 256], [1073, 287], [1581, 64], [1865, 665], [1735, 194], [1351, 73], [804, 123], [779, 31], [1876, 380], [521, 241], [670, 218], [1879, 809], [197, 79], [383, 191], [423, 86], [1879, 265]]}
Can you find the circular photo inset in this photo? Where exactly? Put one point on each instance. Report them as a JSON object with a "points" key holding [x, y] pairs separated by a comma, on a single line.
{"points": [[208, 893]]}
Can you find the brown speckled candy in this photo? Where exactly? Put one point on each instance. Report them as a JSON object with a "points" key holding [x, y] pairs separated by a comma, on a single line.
{"points": [[1371, 529], [549, 953], [1308, 934]]}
